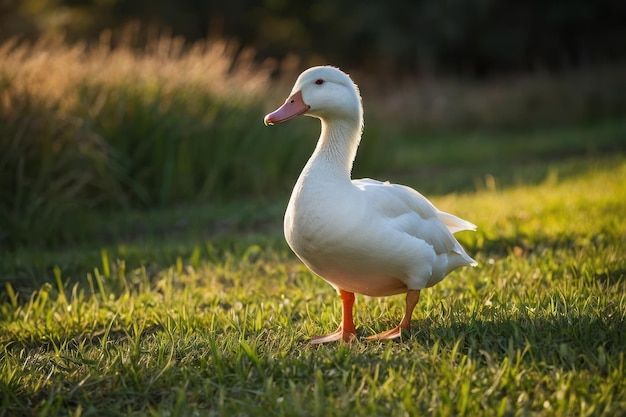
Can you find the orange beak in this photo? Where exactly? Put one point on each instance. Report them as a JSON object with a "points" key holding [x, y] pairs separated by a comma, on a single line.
{"points": [[294, 106]]}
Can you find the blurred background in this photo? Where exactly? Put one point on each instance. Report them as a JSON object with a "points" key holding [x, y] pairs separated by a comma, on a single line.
{"points": [[470, 38], [109, 105]]}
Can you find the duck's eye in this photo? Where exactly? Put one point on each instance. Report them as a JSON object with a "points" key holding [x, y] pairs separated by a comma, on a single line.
{"points": [[319, 81]]}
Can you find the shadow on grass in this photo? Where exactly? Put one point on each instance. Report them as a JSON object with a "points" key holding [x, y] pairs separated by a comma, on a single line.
{"points": [[534, 351], [565, 342]]}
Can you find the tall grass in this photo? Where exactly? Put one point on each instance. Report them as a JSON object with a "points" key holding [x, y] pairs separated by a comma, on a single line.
{"points": [[84, 128], [154, 123]]}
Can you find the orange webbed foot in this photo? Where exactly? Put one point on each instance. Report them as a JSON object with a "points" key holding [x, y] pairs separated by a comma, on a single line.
{"points": [[339, 334]]}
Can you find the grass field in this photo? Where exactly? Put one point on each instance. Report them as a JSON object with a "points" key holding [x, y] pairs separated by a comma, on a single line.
{"points": [[145, 307], [199, 326]]}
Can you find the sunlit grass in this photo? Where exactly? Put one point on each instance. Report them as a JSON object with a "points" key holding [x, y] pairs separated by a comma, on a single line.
{"points": [[141, 201], [538, 328]]}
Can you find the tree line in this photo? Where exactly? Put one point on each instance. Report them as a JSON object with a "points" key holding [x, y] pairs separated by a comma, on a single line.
{"points": [[458, 37]]}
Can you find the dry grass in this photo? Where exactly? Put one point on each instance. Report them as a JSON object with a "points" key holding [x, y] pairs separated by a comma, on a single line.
{"points": [[49, 68]]}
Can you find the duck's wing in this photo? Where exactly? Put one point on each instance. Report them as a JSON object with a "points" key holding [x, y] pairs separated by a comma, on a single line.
{"points": [[409, 211], [420, 203]]}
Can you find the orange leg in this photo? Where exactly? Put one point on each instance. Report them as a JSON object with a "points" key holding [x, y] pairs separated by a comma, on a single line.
{"points": [[412, 297], [346, 330]]}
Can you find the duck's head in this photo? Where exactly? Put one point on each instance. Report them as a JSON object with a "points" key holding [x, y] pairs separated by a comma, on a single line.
{"points": [[323, 92]]}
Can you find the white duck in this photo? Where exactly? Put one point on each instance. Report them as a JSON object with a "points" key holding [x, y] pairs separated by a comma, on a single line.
{"points": [[362, 236]]}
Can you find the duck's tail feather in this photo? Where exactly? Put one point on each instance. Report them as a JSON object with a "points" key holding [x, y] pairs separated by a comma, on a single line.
{"points": [[455, 224]]}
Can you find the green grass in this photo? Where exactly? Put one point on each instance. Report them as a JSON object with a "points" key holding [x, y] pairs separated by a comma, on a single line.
{"points": [[201, 326], [143, 269]]}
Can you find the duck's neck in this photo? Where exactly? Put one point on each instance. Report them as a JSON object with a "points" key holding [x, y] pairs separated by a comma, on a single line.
{"points": [[336, 148]]}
